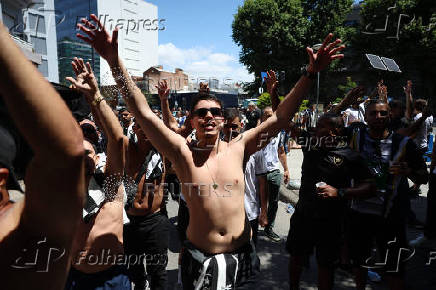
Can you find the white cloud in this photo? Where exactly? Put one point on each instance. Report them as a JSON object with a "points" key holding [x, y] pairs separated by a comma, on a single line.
{"points": [[201, 62]]}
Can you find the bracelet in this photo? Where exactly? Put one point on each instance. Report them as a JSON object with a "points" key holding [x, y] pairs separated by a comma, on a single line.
{"points": [[311, 76], [341, 192], [97, 101]]}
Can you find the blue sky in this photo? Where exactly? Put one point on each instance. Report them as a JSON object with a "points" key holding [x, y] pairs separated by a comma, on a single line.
{"points": [[198, 38]]}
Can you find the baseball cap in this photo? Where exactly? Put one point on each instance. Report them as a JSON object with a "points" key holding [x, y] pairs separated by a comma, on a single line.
{"points": [[8, 150]]}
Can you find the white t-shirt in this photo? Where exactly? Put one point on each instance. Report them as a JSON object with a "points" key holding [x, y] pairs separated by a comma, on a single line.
{"points": [[254, 167], [354, 115], [421, 135], [271, 155]]}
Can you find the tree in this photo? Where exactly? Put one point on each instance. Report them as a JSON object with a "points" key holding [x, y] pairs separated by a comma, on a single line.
{"points": [[273, 34], [264, 100], [343, 89], [410, 40]]}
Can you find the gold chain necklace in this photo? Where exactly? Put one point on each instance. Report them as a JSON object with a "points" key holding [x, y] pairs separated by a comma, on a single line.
{"points": [[215, 185]]}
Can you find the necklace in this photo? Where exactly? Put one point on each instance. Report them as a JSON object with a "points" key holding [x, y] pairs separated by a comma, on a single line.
{"points": [[215, 185]]}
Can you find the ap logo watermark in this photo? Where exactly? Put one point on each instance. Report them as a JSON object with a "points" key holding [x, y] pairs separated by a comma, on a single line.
{"points": [[38, 256]]}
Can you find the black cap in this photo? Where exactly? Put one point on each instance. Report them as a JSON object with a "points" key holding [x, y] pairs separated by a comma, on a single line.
{"points": [[8, 150]]}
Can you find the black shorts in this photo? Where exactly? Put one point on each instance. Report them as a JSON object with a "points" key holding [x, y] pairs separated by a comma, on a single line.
{"points": [[308, 233], [113, 278], [365, 231], [237, 270]]}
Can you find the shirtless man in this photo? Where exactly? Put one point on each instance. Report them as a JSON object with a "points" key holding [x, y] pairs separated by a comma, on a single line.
{"points": [[42, 225], [147, 234], [101, 237], [210, 170]]}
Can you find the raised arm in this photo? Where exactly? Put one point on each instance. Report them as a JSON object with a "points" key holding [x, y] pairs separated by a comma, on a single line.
{"points": [[166, 141], [271, 87], [86, 83], [383, 92], [409, 99], [168, 118], [54, 179], [257, 138], [352, 97]]}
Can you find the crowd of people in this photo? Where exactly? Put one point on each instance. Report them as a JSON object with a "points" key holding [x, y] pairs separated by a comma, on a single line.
{"points": [[96, 189]]}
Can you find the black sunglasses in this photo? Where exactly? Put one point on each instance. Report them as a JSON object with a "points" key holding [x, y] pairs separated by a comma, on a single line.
{"points": [[202, 112]]}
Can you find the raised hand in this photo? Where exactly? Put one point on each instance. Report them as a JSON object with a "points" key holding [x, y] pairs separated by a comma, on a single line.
{"points": [[325, 55], [355, 95], [204, 89], [163, 90], [85, 80], [271, 82], [408, 88], [99, 39], [382, 91]]}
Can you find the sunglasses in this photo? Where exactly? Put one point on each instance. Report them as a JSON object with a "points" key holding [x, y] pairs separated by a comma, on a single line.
{"points": [[231, 126], [202, 112]]}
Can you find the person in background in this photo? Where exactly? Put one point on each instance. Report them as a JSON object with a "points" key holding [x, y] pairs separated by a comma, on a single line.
{"points": [[102, 226], [253, 116], [332, 174], [392, 158]]}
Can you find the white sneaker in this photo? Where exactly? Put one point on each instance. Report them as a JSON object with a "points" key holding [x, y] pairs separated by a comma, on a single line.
{"points": [[418, 241]]}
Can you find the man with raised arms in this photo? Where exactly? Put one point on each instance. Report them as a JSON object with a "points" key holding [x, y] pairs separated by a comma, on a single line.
{"points": [[210, 170], [99, 240], [36, 233]]}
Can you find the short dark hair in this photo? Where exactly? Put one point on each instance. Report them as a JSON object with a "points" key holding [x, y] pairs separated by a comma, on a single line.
{"points": [[420, 104], [122, 109], [94, 146], [396, 104], [335, 120], [375, 102], [231, 113], [204, 97]]}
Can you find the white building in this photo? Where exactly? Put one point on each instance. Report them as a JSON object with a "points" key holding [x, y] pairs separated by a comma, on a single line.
{"points": [[33, 27], [138, 26], [137, 42]]}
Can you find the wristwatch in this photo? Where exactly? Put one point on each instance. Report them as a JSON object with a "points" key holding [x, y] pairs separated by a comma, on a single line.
{"points": [[341, 192], [309, 75]]}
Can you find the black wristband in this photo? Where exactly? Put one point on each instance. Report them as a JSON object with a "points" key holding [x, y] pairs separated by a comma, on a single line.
{"points": [[341, 192], [309, 75]]}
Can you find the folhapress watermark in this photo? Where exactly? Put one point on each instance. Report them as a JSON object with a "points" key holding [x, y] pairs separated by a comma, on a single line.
{"points": [[128, 25]]}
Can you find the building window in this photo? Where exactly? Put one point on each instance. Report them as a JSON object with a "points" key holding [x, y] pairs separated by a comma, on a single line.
{"points": [[36, 23], [8, 20], [43, 68], [39, 44]]}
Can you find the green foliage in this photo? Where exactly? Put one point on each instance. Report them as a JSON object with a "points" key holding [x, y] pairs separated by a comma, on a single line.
{"points": [[304, 105], [343, 89], [264, 101], [273, 34], [338, 100], [412, 45]]}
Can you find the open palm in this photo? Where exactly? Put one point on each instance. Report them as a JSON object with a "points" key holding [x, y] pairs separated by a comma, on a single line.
{"points": [[85, 80], [325, 55], [99, 38]]}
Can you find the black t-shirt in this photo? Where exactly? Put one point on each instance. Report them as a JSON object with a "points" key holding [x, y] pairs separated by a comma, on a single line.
{"points": [[336, 167], [252, 118]]}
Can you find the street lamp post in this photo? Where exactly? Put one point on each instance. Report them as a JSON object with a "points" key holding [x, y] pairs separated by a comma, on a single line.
{"points": [[315, 48]]}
